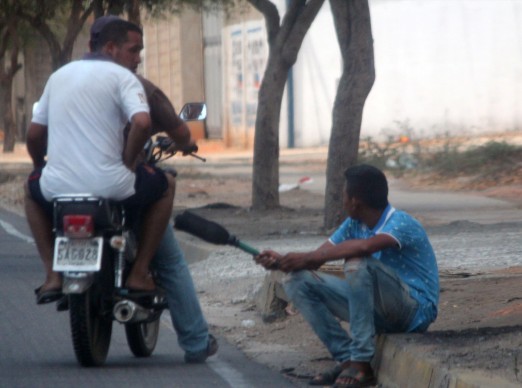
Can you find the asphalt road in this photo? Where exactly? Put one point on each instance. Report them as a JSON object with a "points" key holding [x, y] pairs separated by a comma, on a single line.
{"points": [[36, 348]]}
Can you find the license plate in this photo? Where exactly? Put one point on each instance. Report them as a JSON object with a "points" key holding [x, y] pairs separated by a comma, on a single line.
{"points": [[74, 254]]}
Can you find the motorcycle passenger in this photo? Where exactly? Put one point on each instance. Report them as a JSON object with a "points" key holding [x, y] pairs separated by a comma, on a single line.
{"points": [[78, 123], [169, 263]]}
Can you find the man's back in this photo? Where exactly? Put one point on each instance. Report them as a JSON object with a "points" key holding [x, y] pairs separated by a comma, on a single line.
{"points": [[86, 105]]}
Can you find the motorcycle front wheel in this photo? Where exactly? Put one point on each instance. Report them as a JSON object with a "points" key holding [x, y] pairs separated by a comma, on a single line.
{"points": [[142, 337]]}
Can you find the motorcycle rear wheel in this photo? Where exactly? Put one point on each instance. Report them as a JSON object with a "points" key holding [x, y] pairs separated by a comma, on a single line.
{"points": [[142, 337], [91, 330], [91, 316]]}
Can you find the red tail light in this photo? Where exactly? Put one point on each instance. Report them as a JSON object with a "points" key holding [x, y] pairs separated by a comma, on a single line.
{"points": [[78, 226]]}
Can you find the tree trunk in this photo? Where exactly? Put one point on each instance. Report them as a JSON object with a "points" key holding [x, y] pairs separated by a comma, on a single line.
{"points": [[353, 28], [9, 122], [60, 53], [265, 180], [133, 9], [284, 41], [7, 74]]}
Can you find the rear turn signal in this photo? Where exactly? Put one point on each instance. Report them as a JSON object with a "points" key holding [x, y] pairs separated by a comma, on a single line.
{"points": [[78, 226]]}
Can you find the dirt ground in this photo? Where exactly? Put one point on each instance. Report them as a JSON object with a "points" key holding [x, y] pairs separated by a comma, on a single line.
{"points": [[480, 312]]}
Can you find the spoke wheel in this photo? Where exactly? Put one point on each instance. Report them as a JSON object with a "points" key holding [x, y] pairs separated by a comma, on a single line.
{"points": [[91, 329], [142, 337], [91, 316]]}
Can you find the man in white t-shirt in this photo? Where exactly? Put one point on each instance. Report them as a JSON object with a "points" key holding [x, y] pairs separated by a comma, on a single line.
{"points": [[79, 124]]}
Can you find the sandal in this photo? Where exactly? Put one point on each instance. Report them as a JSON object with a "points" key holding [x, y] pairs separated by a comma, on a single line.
{"points": [[353, 377], [48, 296], [328, 377]]}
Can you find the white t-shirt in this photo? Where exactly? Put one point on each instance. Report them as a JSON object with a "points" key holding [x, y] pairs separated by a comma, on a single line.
{"points": [[86, 105]]}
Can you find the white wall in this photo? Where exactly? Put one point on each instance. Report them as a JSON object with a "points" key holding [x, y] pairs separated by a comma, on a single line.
{"points": [[447, 65], [442, 66], [316, 75]]}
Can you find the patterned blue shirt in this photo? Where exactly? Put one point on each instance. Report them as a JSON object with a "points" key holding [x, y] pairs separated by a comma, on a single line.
{"points": [[413, 258]]}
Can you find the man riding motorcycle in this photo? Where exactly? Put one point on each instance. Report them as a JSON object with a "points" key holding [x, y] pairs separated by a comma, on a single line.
{"points": [[173, 274]]}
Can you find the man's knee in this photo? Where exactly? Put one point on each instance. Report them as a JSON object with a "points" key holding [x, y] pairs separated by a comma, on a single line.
{"points": [[171, 186], [296, 281], [357, 271]]}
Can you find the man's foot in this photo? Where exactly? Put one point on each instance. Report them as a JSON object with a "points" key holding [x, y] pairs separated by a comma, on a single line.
{"points": [[48, 295], [200, 357], [140, 283], [50, 291], [357, 374], [328, 377]]}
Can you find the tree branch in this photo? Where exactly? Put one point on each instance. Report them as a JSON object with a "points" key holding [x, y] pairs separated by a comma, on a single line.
{"points": [[39, 24], [304, 17], [75, 23], [14, 65], [272, 19]]}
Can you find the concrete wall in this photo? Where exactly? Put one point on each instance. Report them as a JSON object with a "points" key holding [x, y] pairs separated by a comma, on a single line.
{"points": [[173, 59], [451, 66], [442, 67], [161, 58]]}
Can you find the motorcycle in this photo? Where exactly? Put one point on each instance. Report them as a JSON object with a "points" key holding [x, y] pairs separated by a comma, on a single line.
{"points": [[95, 246]]}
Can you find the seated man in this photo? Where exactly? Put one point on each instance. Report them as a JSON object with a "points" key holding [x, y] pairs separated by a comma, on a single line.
{"points": [[391, 280], [79, 123]]}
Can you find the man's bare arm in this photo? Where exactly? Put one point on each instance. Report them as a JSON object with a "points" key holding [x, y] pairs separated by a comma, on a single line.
{"points": [[138, 134], [163, 115], [329, 252], [36, 141]]}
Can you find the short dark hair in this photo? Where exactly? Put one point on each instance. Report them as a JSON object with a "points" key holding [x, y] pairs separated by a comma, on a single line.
{"points": [[114, 31], [368, 184]]}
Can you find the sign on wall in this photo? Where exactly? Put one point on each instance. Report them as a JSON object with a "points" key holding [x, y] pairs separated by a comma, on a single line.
{"points": [[246, 53]]}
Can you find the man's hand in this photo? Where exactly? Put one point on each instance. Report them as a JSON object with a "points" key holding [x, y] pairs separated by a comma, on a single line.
{"points": [[268, 259], [185, 149], [292, 261]]}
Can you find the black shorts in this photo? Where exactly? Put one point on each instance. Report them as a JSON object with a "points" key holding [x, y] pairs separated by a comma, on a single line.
{"points": [[151, 183]]}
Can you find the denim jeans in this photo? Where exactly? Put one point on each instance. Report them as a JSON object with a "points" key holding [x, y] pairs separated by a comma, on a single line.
{"points": [[371, 298], [173, 276]]}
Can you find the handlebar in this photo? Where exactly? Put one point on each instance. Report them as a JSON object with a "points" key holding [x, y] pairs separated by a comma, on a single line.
{"points": [[155, 150]]}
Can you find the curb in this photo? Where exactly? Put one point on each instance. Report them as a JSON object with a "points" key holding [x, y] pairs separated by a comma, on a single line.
{"points": [[401, 363]]}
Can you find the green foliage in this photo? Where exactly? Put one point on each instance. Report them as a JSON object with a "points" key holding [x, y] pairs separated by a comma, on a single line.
{"points": [[399, 150], [492, 157], [451, 159]]}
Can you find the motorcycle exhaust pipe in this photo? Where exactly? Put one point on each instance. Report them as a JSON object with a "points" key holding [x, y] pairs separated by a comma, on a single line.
{"points": [[127, 311]]}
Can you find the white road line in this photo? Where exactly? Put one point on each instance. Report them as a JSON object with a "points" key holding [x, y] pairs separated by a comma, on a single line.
{"points": [[227, 372], [230, 374], [10, 229]]}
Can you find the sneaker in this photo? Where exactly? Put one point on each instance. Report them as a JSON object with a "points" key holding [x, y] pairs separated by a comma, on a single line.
{"points": [[200, 357]]}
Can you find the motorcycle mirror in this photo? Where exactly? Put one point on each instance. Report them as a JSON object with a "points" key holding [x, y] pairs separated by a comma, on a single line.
{"points": [[193, 111]]}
